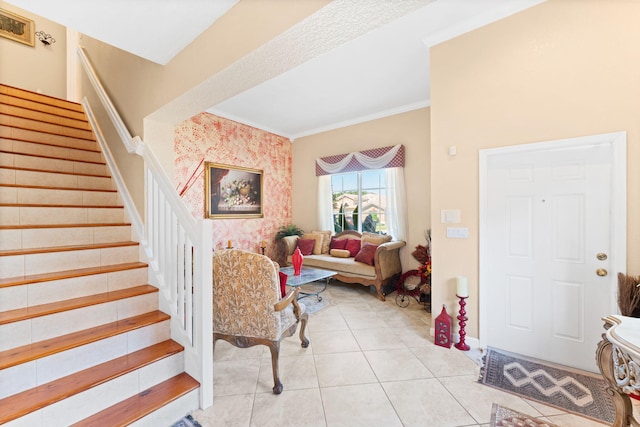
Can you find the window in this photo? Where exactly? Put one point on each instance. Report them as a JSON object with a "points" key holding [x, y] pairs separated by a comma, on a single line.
{"points": [[359, 201]]}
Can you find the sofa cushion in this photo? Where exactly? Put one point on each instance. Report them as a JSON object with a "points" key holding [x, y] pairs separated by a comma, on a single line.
{"points": [[338, 243], [341, 265], [375, 238], [340, 253], [317, 247], [367, 253], [306, 246], [326, 240], [353, 246]]}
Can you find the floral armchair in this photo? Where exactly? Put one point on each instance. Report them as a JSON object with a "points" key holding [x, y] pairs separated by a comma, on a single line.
{"points": [[248, 308]]}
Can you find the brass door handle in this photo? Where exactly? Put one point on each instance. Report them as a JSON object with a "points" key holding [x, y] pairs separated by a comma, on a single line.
{"points": [[601, 272]]}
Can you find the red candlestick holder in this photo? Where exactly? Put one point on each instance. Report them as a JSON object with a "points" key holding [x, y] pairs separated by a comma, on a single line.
{"points": [[461, 345]]}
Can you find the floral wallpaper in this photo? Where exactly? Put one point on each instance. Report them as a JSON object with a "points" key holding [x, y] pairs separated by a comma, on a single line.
{"points": [[220, 140]]}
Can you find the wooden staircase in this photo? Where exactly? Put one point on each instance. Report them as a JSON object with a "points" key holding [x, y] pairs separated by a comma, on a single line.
{"points": [[82, 341]]}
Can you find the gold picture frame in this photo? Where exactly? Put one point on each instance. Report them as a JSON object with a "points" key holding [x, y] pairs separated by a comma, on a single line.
{"points": [[232, 191], [16, 27]]}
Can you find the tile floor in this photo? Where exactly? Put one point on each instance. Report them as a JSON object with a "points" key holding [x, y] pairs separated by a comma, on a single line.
{"points": [[370, 363]]}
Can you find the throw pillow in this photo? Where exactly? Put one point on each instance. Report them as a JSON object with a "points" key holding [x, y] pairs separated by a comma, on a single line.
{"points": [[367, 253], [376, 239], [317, 248], [338, 243], [340, 253], [283, 283], [326, 240], [306, 246], [353, 246]]}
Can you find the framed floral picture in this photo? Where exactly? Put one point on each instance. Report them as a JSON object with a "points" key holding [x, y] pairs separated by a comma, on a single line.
{"points": [[16, 27], [232, 191]]}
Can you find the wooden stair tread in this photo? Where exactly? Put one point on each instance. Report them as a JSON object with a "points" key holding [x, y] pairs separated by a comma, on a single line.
{"points": [[31, 400], [26, 313], [46, 132], [54, 171], [49, 205], [29, 226], [9, 106], [142, 404], [30, 251], [38, 350], [42, 98], [42, 156], [44, 187], [68, 274], [30, 141], [43, 108]]}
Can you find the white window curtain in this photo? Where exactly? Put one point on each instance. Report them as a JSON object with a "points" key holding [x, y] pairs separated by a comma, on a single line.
{"points": [[396, 204], [325, 205]]}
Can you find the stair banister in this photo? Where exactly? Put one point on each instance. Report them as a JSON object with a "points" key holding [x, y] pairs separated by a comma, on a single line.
{"points": [[177, 246]]}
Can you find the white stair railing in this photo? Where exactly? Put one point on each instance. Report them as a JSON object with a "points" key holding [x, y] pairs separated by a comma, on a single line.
{"points": [[178, 248]]}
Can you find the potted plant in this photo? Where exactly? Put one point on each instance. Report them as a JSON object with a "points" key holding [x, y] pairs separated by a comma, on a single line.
{"points": [[288, 230]]}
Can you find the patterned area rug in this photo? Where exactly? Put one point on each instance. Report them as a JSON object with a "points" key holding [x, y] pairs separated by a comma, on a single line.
{"points": [[505, 417], [187, 421], [578, 392]]}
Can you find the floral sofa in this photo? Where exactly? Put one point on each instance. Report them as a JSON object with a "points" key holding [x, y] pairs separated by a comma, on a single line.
{"points": [[385, 260]]}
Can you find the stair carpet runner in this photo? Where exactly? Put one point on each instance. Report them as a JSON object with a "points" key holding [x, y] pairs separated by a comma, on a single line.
{"points": [[82, 341]]}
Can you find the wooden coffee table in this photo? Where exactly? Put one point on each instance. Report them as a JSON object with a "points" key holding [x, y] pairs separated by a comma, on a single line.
{"points": [[308, 275]]}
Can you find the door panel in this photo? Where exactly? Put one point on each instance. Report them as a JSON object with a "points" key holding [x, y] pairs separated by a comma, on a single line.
{"points": [[547, 216]]}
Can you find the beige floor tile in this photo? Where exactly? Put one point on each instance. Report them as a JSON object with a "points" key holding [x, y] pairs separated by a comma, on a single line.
{"points": [[296, 373], [224, 351], [364, 321], [295, 408], [426, 402], [396, 365], [570, 420], [444, 362], [325, 323], [235, 377], [333, 341], [339, 369], [228, 411], [358, 405], [478, 398], [378, 339]]}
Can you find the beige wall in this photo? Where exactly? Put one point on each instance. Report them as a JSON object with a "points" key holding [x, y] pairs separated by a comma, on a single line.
{"points": [[138, 87], [562, 69], [410, 129], [40, 68]]}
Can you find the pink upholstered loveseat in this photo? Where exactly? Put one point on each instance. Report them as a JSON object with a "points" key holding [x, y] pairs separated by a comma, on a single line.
{"points": [[386, 262]]}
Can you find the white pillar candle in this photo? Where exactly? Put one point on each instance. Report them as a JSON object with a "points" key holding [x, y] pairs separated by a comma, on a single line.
{"points": [[462, 287]]}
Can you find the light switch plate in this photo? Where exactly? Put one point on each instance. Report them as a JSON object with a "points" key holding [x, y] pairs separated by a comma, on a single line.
{"points": [[457, 232], [450, 216]]}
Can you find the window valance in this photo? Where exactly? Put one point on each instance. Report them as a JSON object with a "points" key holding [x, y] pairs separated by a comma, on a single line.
{"points": [[377, 158]]}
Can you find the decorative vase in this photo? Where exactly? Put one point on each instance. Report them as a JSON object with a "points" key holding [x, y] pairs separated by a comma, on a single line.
{"points": [[297, 259]]}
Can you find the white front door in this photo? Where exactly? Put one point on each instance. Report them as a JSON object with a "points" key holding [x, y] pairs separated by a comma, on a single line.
{"points": [[547, 235]]}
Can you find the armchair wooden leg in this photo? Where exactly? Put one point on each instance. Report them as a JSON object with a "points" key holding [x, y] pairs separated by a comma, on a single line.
{"points": [[303, 326], [274, 347]]}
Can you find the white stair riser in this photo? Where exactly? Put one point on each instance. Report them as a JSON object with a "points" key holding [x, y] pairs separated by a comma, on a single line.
{"points": [[26, 123], [52, 179], [47, 237], [47, 138], [15, 215], [14, 110], [171, 413], [32, 294], [46, 327], [20, 195], [24, 147], [24, 265], [87, 403], [41, 371], [53, 165]]}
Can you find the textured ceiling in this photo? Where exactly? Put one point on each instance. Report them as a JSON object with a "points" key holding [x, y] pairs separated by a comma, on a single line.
{"points": [[350, 62]]}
